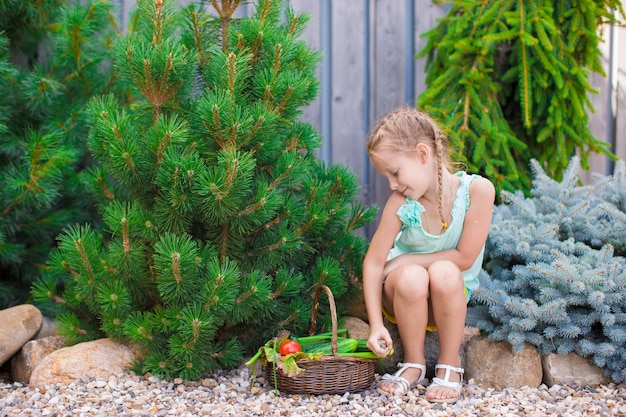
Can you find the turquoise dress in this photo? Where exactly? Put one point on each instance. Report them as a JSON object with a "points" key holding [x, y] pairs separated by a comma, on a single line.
{"points": [[412, 237]]}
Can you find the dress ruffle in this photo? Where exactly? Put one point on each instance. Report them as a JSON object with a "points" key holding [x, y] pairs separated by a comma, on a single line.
{"points": [[410, 213]]}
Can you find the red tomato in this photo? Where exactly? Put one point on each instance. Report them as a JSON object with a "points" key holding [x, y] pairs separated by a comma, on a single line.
{"points": [[290, 346]]}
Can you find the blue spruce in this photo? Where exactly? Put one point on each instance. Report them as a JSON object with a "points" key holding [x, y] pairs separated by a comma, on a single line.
{"points": [[554, 269]]}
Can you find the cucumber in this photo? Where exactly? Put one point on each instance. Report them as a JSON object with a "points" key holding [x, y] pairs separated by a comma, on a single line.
{"points": [[322, 336], [344, 345], [362, 346]]}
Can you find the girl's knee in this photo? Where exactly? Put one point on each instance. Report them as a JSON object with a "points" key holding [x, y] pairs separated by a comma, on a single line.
{"points": [[445, 274], [409, 281], [443, 267]]}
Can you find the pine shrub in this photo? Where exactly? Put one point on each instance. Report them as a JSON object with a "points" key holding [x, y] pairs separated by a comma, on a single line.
{"points": [[220, 219]]}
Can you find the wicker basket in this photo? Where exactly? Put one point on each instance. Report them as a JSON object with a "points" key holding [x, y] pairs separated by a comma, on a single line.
{"points": [[332, 374]]}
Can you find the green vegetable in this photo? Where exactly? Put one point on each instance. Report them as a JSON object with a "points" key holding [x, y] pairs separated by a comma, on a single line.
{"points": [[344, 345], [365, 355], [362, 346], [321, 336]]}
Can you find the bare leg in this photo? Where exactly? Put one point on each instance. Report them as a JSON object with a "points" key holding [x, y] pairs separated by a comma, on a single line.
{"points": [[405, 295], [449, 309]]}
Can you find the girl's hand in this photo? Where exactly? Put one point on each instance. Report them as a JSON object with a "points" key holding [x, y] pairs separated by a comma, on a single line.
{"points": [[380, 341]]}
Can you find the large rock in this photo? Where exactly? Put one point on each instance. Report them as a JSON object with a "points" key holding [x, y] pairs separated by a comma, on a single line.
{"points": [[571, 368], [31, 354], [48, 328], [86, 361], [357, 308], [357, 328], [494, 364], [19, 325]]}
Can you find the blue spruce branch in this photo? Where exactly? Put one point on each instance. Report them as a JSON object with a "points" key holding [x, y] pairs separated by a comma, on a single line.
{"points": [[555, 271]]}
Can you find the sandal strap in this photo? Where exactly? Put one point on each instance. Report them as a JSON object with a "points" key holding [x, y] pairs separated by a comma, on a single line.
{"points": [[405, 365], [449, 368], [402, 381], [438, 382]]}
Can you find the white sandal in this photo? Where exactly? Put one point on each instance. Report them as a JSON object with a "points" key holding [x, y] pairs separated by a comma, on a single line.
{"points": [[446, 383], [402, 382]]}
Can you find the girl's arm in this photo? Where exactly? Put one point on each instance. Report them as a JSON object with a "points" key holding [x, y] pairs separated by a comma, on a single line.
{"points": [[473, 236], [373, 266]]}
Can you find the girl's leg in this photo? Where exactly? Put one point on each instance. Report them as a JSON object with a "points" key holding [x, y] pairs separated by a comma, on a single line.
{"points": [[405, 295], [449, 309]]}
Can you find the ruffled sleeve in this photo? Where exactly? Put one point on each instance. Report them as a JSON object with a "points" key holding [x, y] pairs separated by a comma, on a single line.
{"points": [[466, 181], [410, 213]]}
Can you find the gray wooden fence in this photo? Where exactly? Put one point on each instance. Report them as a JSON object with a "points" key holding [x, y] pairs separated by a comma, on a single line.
{"points": [[369, 68]]}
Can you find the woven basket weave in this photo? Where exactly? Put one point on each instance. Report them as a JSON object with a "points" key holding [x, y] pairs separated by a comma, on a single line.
{"points": [[332, 374]]}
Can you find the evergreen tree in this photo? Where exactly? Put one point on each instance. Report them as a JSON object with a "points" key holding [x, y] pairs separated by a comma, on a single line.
{"points": [[52, 60], [220, 220], [557, 270], [509, 80]]}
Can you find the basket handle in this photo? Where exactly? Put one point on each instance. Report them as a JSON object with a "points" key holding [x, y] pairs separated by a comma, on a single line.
{"points": [[333, 315]]}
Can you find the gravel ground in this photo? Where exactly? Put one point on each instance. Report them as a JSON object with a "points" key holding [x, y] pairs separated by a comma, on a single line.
{"points": [[234, 394]]}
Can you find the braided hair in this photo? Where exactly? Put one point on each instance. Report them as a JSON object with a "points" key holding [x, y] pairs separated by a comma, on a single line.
{"points": [[402, 130]]}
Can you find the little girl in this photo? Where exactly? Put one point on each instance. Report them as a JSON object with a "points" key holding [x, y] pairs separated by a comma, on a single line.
{"points": [[423, 261]]}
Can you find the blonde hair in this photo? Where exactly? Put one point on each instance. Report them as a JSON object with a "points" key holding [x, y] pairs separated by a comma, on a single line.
{"points": [[402, 130]]}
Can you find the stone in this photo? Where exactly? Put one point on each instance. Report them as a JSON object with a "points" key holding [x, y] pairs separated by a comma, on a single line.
{"points": [[494, 364], [571, 368], [19, 325], [357, 328], [87, 361], [48, 328], [33, 352], [468, 333], [357, 308]]}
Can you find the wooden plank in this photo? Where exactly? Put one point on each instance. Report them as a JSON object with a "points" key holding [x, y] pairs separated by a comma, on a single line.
{"points": [[426, 15], [598, 120], [388, 38], [128, 7], [312, 112], [614, 108], [620, 94], [348, 85], [598, 125], [388, 81]]}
